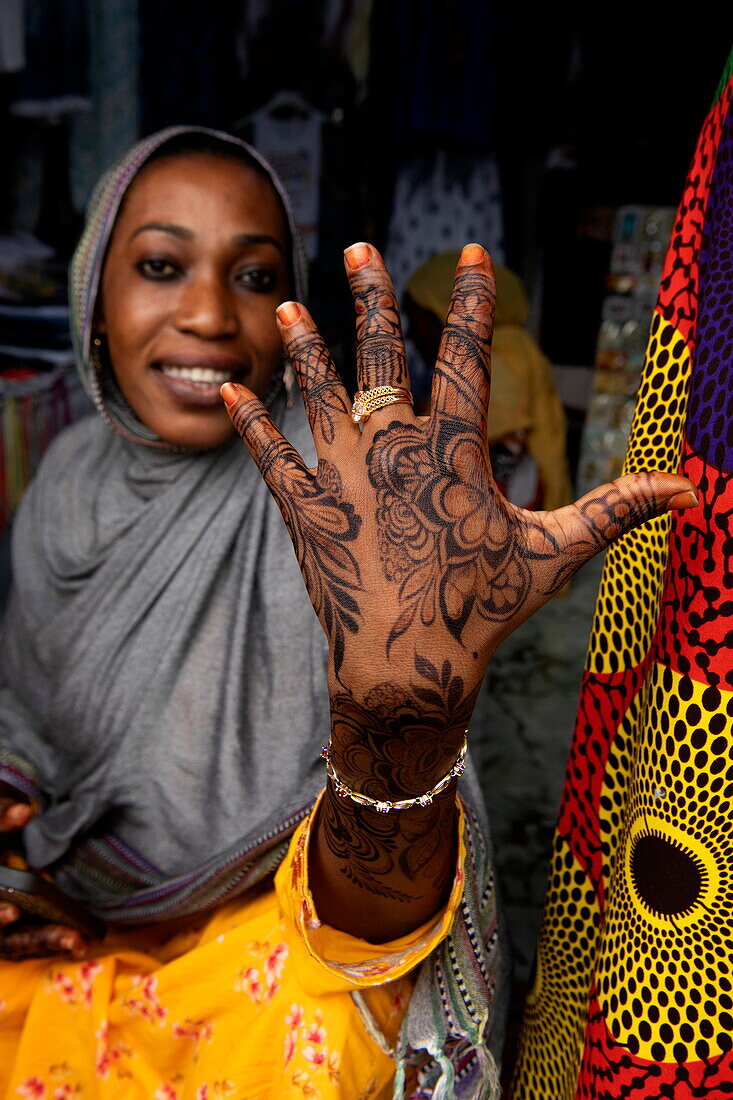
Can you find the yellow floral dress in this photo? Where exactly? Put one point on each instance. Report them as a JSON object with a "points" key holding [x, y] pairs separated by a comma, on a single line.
{"points": [[255, 1004]]}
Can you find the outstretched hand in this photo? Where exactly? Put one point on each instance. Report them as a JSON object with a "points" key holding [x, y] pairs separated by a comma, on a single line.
{"points": [[416, 565]]}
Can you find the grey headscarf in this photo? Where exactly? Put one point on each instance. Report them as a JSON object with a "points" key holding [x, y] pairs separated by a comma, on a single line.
{"points": [[162, 678]]}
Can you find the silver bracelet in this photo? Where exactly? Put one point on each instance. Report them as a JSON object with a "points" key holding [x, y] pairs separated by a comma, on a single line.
{"points": [[380, 805]]}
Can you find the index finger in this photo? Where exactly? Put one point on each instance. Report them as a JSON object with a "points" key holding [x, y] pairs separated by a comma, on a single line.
{"points": [[462, 378], [380, 350]]}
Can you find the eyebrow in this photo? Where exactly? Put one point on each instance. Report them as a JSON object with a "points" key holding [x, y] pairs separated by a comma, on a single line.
{"points": [[241, 240]]}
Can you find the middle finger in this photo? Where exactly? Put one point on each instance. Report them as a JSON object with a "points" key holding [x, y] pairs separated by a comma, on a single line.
{"points": [[380, 349]]}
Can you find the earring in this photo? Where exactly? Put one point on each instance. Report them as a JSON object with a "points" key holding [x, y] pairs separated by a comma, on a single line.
{"points": [[95, 355], [290, 384]]}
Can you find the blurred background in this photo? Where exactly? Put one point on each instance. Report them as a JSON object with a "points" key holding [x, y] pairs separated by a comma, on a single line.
{"points": [[557, 137]]}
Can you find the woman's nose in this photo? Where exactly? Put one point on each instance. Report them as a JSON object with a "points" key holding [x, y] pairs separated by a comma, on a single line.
{"points": [[205, 308]]}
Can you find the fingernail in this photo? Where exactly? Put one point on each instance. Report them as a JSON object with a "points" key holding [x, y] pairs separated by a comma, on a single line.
{"points": [[68, 942], [288, 313], [688, 499], [471, 254], [19, 814], [358, 255], [7, 914], [229, 394]]}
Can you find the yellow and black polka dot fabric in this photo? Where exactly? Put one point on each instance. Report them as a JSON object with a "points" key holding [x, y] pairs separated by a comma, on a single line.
{"points": [[633, 993]]}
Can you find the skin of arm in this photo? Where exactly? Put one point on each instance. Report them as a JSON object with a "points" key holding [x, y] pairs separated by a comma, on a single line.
{"points": [[417, 569]]}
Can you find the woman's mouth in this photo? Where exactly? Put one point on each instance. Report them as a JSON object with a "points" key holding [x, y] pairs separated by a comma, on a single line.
{"points": [[194, 384], [199, 376]]}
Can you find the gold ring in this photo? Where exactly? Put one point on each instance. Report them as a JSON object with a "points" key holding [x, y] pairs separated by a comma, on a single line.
{"points": [[368, 401]]}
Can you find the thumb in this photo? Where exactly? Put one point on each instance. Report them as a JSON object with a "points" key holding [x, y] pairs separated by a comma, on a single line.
{"points": [[582, 530]]}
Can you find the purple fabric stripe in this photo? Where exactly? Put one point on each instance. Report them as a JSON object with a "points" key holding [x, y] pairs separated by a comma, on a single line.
{"points": [[131, 855], [25, 785], [181, 895], [710, 408]]}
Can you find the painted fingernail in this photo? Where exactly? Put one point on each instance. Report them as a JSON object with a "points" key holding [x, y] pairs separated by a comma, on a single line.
{"points": [[471, 254], [19, 815], [358, 255], [683, 500], [288, 313], [229, 394]]}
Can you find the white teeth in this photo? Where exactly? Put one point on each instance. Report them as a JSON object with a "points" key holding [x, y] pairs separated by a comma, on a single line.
{"points": [[205, 376]]}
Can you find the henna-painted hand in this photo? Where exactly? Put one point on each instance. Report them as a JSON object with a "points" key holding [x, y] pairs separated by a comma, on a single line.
{"points": [[20, 939], [416, 565]]}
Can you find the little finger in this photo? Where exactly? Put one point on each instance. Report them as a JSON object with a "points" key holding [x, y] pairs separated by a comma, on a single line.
{"points": [[278, 461]]}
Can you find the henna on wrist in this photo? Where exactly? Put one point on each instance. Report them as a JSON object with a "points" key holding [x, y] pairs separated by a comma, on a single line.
{"points": [[400, 741], [407, 858]]}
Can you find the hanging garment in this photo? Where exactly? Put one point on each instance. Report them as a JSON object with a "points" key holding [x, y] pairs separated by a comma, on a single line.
{"points": [[633, 990], [441, 204]]}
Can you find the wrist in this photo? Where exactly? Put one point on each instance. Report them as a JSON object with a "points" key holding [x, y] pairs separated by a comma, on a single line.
{"points": [[391, 747], [381, 803]]}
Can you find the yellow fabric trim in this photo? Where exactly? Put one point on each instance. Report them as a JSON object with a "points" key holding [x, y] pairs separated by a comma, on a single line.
{"points": [[329, 958]]}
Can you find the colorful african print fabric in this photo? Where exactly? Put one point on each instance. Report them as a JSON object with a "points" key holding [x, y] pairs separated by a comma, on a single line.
{"points": [[633, 994]]}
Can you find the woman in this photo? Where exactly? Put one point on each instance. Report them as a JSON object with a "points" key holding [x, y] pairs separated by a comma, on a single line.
{"points": [[165, 700]]}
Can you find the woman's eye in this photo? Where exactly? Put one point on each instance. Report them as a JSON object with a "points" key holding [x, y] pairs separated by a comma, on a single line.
{"points": [[154, 267], [262, 279]]}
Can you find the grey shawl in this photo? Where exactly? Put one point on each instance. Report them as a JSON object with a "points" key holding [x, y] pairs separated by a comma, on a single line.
{"points": [[162, 674]]}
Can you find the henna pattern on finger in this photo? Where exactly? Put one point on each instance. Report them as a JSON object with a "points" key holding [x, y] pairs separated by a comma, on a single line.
{"points": [[381, 348], [253, 421], [323, 394], [604, 518], [321, 524], [463, 369]]}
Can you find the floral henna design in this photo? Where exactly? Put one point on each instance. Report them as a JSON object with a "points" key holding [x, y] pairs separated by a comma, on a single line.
{"points": [[445, 536], [400, 741], [397, 744], [321, 524]]}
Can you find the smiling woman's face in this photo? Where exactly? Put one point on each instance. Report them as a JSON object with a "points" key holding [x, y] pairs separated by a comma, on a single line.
{"points": [[196, 265]]}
